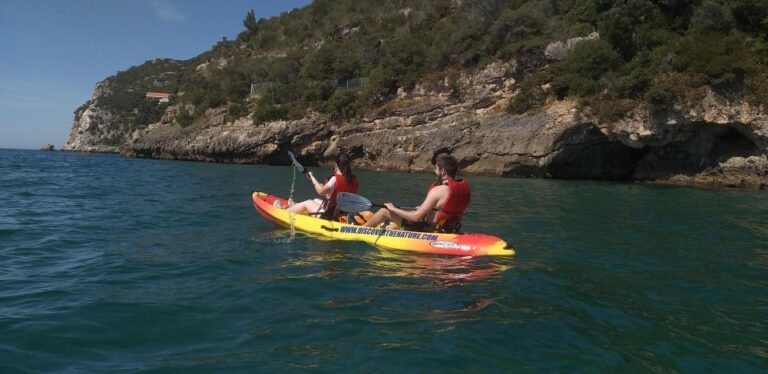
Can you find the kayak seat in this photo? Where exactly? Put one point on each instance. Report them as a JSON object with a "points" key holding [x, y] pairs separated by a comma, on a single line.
{"points": [[356, 218], [449, 226], [419, 226]]}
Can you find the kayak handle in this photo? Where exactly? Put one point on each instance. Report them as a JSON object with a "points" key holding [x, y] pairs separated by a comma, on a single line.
{"points": [[326, 228]]}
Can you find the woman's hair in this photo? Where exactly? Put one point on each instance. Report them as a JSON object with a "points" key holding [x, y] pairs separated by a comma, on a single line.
{"points": [[344, 165]]}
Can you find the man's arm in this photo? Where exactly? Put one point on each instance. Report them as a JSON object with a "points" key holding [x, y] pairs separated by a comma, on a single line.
{"points": [[430, 202]]}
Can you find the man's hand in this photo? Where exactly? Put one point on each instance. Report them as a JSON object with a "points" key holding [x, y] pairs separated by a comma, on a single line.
{"points": [[389, 206]]}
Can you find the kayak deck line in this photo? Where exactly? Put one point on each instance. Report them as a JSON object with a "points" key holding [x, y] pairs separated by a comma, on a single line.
{"points": [[466, 244]]}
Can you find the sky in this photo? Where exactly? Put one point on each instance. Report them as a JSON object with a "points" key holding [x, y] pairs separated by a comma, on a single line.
{"points": [[53, 52]]}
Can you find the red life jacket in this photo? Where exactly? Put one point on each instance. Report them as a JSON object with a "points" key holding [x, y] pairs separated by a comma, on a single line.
{"points": [[458, 200], [341, 186]]}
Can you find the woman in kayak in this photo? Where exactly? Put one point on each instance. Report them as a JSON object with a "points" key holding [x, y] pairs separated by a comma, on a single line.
{"points": [[342, 181], [441, 210]]}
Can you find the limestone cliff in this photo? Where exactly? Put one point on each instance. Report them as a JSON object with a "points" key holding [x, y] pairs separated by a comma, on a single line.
{"points": [[118, 107], [92, 130], [616, 90], [710, 142]]}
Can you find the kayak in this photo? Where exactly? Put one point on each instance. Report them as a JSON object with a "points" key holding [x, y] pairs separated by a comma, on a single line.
{"points": [[465, 244]]}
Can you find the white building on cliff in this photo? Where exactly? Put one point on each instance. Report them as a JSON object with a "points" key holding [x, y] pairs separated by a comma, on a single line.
{"points": [[159, 96]]}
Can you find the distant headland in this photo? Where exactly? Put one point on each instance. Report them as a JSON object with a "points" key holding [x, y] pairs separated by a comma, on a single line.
{"points": [[620, 91]]}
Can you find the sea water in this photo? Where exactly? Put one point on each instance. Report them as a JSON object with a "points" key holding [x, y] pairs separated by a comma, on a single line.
{"points": [[110, 263]]}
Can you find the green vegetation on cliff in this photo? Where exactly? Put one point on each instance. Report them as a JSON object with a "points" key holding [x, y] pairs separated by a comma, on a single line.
{"points": [[123, 96], [343, 57], [660, 52]]}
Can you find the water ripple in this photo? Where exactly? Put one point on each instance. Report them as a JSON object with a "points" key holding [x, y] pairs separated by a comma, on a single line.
{"points": [[112, 264]]}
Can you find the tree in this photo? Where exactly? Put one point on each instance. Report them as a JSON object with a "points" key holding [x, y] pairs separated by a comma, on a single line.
{"points": [[343, 104], [633, 25], [711, 16], [183, 117], [250, 21], [580, 72]]}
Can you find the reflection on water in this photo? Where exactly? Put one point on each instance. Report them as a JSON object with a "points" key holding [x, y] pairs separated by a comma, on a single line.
{"points": [[440, 270], [330, 256]]}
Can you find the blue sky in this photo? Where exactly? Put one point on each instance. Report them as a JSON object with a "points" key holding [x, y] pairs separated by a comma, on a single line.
{"points": [[52, 52]]}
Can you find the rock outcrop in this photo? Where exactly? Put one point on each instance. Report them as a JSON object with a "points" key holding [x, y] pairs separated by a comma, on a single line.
{"points": [[119, 107], [47, 147], [712, 142], [93, 129], [557, 50]]}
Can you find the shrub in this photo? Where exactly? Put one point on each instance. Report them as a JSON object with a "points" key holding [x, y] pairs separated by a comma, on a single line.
{"points": [[267, 111], [235, 110], [669, 88], [215, 99], [583, 66], [757, 89], [382, 83], [725, 59], [183, 117], [343, 104], [318, 90], [610, 110], [531, 94], [631, 25]]}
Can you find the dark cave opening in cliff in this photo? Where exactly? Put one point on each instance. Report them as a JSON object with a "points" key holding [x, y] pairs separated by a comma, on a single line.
{"points": [[734, 144], [589, 154], [705, 146], [281, 158]]}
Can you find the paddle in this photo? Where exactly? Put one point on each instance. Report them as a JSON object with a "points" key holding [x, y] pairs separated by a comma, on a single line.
{"points": [[304, 171], [354, 203], [296, 164]]}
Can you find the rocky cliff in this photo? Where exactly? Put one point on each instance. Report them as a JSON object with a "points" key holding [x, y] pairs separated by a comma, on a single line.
{"points": [[118, 107], [713, 141], [640, 90], [92, 130]]}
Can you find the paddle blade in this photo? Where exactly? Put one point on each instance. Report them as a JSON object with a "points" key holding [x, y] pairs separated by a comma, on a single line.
{"points": [[352, 203], [296, 163]]}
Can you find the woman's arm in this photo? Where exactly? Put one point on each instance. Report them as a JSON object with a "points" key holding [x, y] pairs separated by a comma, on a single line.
{"points": [[320, 188]]}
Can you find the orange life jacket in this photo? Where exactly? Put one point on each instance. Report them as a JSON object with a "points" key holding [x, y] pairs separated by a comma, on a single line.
{"points": [[341, 186], [448, 218]]}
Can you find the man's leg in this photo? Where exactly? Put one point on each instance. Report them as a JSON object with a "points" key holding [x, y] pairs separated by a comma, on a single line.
{"points": [[377, 218], [381, 215]]}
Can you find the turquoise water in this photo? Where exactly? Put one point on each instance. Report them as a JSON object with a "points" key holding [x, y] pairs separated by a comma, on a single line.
{"points": [[108, 263]]}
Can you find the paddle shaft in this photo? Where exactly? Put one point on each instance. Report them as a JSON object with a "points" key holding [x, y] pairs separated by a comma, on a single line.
{"points": [[398, 207]]}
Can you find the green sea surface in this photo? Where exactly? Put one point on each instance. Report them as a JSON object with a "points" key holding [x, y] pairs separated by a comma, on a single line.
{"points": [[114, 264]]}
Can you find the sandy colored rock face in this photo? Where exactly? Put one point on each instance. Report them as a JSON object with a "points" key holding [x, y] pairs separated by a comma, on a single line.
{"points": [[91, 131], [712, 142]]}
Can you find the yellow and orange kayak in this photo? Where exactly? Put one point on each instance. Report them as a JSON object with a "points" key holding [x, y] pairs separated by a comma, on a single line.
{"points": [[466, 244]]}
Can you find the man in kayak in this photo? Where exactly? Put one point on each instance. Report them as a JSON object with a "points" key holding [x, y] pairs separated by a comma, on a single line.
{"points": [[342, 181], [441, 210]]}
